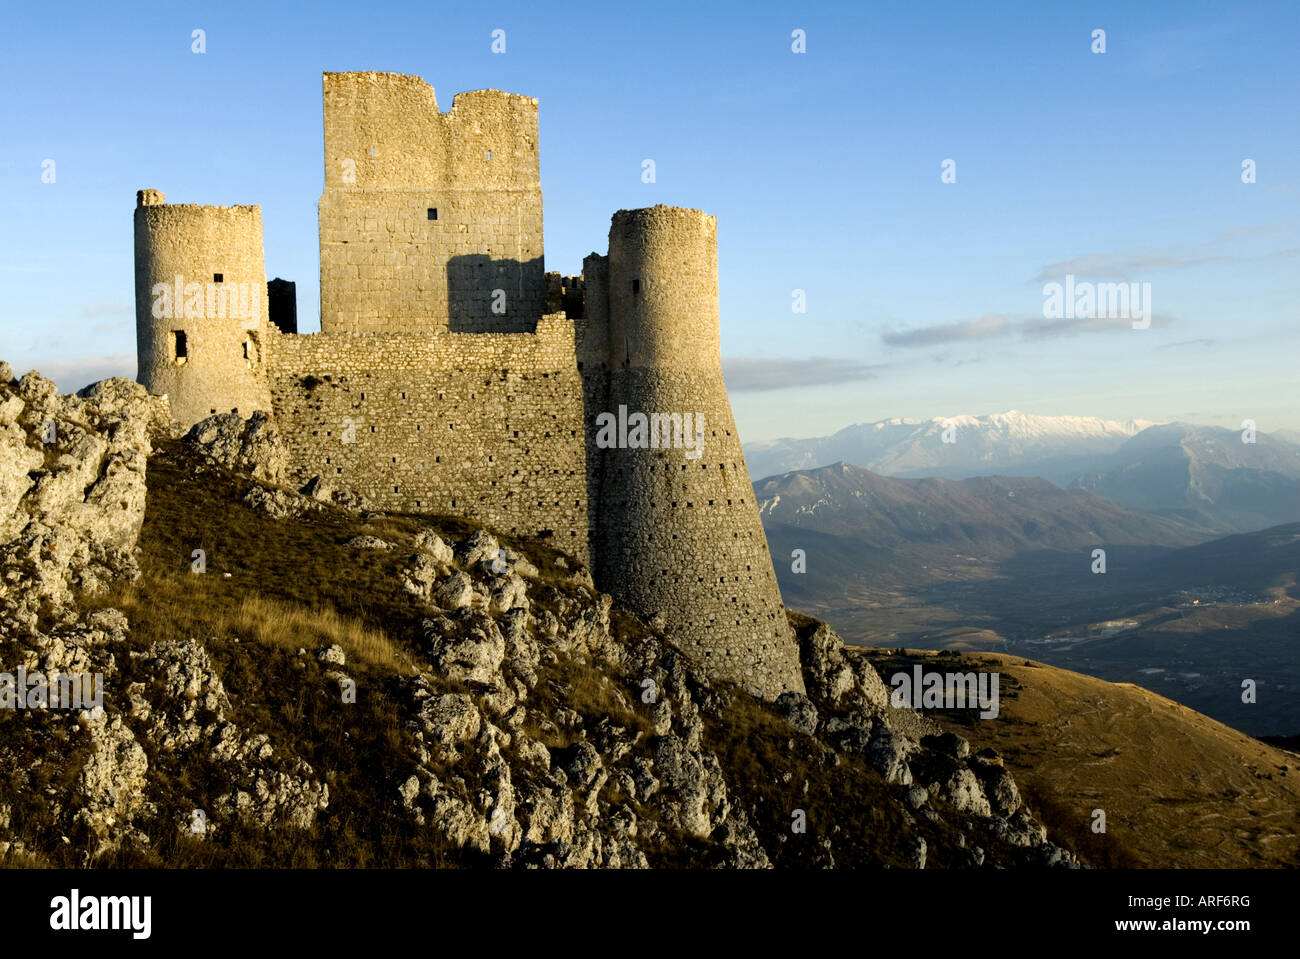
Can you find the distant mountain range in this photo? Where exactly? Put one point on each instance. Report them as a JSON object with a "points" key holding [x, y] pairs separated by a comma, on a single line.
{"points": [[1205, 477], [1006, 563], [1011, 443], [1205, 474], [864, 534], [992, 516]]}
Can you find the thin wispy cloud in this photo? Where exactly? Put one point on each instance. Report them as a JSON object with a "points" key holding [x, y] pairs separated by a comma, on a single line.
{"points": [[1124, 266], [998, 326], [986, 327], [1127, 266], [1038, 329], [752, 373]]}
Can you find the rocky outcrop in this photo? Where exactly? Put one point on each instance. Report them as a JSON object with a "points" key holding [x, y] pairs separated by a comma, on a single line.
{"points": [[72, 502], [72, 489], [622, 789], [538, 727], [252, 446]]}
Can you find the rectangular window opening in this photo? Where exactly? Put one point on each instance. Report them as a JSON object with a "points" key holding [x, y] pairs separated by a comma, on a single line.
{"points": [[217, 277], [180, 347], [433, 213]]}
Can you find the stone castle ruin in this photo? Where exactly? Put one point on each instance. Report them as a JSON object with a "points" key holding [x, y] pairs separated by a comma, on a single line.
{"points": [[453, 375]]}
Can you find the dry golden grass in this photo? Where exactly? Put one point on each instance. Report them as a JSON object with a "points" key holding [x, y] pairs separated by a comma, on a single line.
{"points": [[200, 607], [1179, 789], [275, 623]]}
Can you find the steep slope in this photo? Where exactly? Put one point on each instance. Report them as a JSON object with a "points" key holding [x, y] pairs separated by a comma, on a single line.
{"points": [[290, 682], [993, 516], [1177, 788], [1204, 472]]}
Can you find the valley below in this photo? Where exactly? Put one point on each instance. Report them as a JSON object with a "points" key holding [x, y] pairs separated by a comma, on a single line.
{"points": [[1006, 565]]}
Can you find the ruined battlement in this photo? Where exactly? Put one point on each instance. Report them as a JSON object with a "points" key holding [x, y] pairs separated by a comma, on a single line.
{"points": [[429, 221], [390, 125], [454, 376]]}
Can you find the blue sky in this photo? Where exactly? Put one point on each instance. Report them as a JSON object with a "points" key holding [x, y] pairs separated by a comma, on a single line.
{"points": [[924, 298]]}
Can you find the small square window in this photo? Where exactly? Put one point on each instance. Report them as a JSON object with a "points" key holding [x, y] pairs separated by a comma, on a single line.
{"points": [[218, 277], [433, 213]]}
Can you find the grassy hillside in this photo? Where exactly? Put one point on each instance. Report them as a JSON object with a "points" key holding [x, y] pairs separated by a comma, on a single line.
{"points": [[275, 587], [1178, 789]]}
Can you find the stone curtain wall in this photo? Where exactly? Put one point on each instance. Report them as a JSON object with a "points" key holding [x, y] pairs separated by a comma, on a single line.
{"points": [[390, 157], [225, 366], [485, 426]]}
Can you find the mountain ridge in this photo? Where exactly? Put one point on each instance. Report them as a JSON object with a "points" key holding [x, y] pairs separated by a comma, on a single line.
{"points": [[902, 446]]}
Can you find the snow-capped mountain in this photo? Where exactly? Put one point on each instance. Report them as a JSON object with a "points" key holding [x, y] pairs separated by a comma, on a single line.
{"points": [[1058, 448]]}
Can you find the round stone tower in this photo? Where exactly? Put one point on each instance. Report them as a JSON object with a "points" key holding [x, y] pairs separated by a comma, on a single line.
{"points": [[678, 534], [200, 306]]}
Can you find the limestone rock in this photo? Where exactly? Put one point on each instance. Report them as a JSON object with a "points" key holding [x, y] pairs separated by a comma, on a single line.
{"points": [[456, 593], [251, 446], [368, 542], [111, 784], [947, 744], [998, 784], [279, 503], [693, 796], [332, 656], [508, 592], [433, 544], [326, 490], [963, 790], [72, 488], [480, 547], [827, 674], [470, 649], [799, 710], [888, 752]]}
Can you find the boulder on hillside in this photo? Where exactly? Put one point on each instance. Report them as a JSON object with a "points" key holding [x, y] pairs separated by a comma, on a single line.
{"points": [[252, 446]]}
